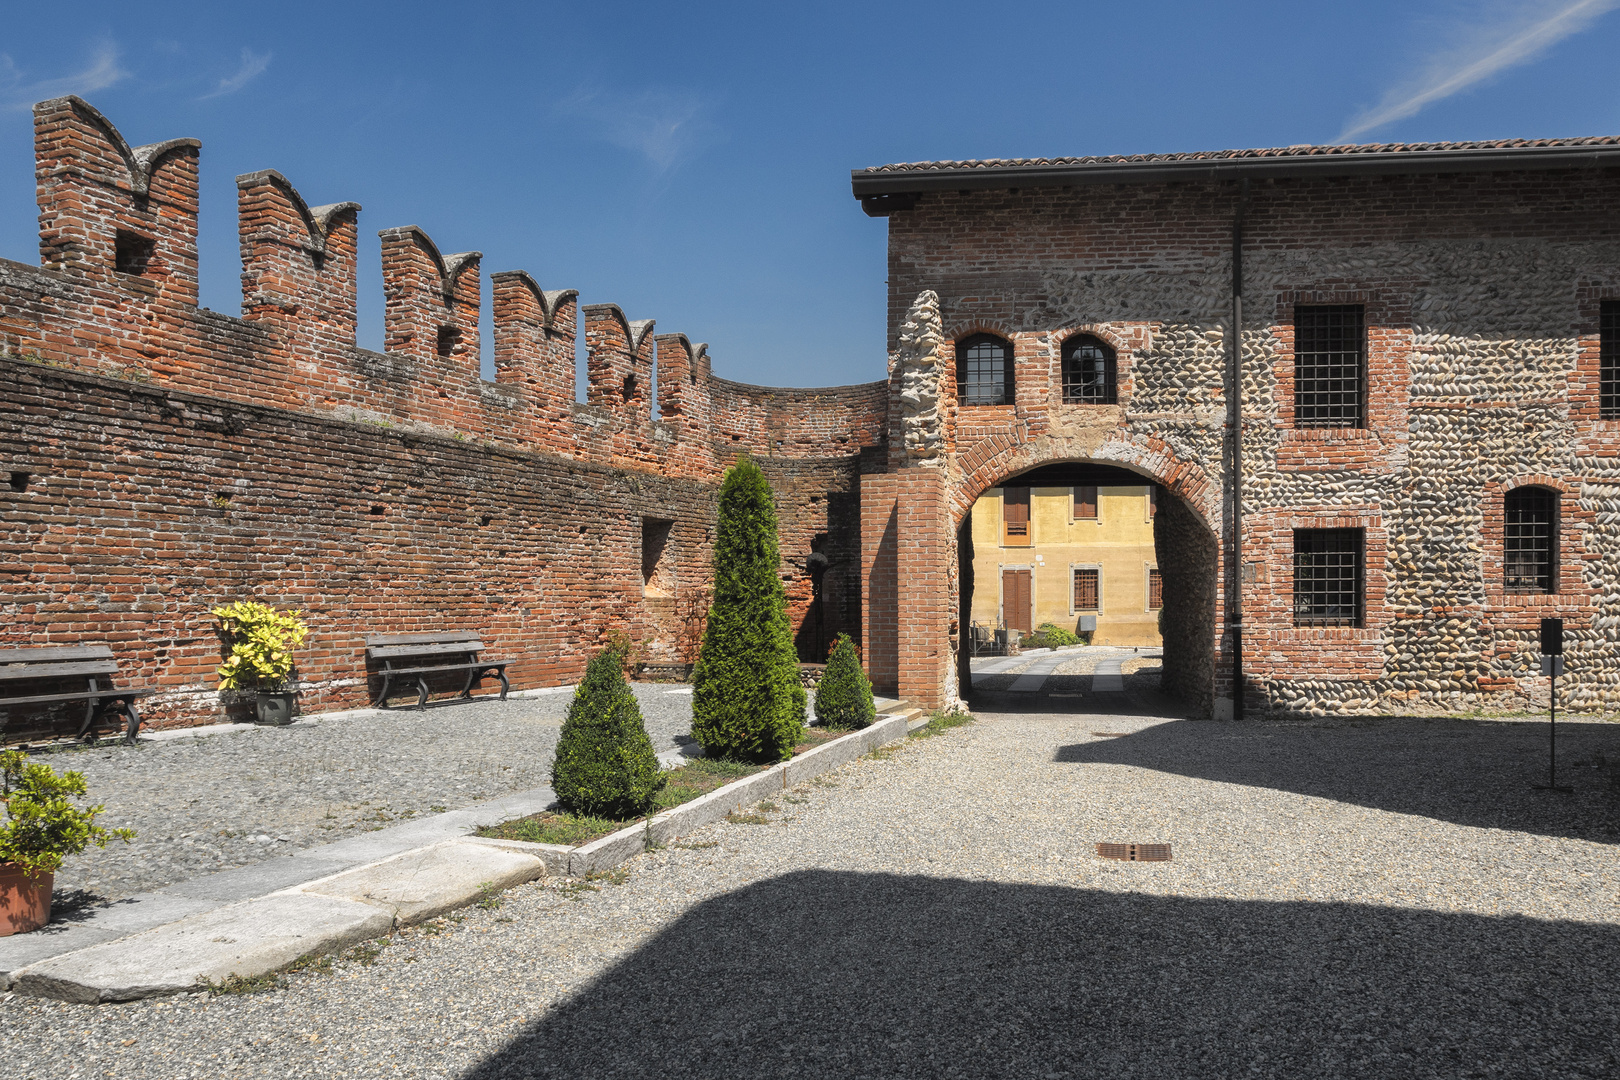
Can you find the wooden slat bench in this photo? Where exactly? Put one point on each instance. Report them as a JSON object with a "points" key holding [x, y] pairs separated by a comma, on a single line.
{"points": [[32, 680], [424, 655]]}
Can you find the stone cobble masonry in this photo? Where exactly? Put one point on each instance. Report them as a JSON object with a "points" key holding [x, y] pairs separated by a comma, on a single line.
{"points": [[165, 458], [1481, 294]]}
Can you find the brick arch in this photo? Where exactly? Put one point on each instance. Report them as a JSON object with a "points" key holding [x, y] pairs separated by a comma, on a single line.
{"points": [[993, 460], [1186, 529]]}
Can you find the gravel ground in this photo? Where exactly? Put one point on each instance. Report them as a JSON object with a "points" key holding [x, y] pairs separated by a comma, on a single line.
{"points": [[1378, 898], [221, 801]]}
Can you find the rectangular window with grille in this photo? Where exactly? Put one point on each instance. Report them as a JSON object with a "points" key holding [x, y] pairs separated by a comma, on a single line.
{"points": [[1609, 361], [1155, 589], [1328, 577], [1087, 588], [1330, 366], [1530, 540], [1085, 504]]}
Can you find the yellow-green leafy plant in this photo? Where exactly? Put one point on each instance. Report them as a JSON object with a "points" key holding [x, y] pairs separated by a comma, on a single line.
{"points": [[42, 824], [262, 640]]}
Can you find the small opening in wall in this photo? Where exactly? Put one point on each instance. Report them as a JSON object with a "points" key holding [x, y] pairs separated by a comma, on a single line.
{"points": [[449, 337], [378, 511], [657, 565], [132, 252], [629, 386], [485, 519], [19, 481]]}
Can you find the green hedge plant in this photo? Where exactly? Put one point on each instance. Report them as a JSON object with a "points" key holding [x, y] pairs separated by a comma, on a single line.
{"points": [[42, 823], [844, 694], [262, 640], [605, 765], [747, 701], [1050, 636]]}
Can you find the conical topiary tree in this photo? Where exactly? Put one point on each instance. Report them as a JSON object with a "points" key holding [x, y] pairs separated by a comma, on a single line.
{"points": [[747, 702], [844, 695], [605, 764]]}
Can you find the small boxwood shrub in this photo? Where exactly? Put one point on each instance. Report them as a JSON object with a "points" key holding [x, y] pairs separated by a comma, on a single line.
{"points": [[605, 765], [1050, 636], [844, 695]]}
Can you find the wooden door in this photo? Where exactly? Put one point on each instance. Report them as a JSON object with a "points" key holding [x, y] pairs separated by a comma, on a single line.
{"points": [[1015, 608]]}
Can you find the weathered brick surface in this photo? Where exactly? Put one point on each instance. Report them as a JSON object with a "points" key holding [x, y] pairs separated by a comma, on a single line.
{"points": [[176, 458]]}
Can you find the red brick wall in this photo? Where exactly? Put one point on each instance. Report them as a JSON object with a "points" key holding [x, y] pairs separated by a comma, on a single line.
{"points": [[177, 458]]}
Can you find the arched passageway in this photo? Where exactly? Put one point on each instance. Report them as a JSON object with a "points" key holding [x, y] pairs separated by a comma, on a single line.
{"points": [[1184, 557]]}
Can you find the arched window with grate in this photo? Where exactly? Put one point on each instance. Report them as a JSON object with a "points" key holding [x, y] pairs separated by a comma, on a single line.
{"points": [[984, 370], [1089, 372], [1530, 540]]}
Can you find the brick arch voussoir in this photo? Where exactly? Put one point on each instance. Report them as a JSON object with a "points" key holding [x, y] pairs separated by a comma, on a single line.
{"points": [[1153, 457]]}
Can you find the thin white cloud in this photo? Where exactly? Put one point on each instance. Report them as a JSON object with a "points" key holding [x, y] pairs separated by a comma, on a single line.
{"points": [[661, 125], [19, 93], [253, 65], [1508, 36]]}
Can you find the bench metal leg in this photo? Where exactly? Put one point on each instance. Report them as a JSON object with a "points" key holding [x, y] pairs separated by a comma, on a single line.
{"points": [[90, 708], [500, 673], [134, 722], [421, 686], [382, 698], [474, 677]]}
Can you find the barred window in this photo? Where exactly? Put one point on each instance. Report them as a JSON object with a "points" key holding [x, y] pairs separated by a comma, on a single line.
{"points": [[1330, 366], [1155, 589], [1609, 361], [1087, 588], [1328, 580], [984, 370], [1530, 540], [1088, 372]]}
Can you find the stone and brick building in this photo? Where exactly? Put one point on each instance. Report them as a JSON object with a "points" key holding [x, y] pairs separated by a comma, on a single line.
{"points": [[1428, 455]]}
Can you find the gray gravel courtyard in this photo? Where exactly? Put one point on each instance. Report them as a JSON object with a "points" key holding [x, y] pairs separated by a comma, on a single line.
{"points": [[1377, 898], [220, 801]]}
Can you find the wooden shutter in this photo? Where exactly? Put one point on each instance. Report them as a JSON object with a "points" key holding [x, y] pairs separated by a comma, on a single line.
{"points": [[1015, 610], [1015, 517], [1085, 503]]}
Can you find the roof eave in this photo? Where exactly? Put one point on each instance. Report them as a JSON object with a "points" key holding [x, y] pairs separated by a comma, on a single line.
{"points": [[867, 182]]}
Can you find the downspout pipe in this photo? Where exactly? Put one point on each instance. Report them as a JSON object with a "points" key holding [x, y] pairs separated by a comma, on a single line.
{"points": [[1234, 407]]}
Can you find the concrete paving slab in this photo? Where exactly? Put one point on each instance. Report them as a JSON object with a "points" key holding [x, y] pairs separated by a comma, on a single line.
{"points": [[246, 939], [422, 884], [1109, 678], [1032, 680], [246, 882]]}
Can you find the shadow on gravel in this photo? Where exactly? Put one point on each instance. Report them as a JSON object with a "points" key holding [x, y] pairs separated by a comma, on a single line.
{"points": [[1470, 772], [823, 974]]}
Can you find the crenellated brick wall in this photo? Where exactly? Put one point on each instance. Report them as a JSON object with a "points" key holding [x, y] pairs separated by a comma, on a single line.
{"points": [[166, 458]]}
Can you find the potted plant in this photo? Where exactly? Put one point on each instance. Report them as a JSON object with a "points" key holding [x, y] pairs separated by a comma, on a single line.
{"points": [[41, 826], [260, 663]]}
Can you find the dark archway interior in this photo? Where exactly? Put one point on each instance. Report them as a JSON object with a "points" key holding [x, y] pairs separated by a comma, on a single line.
{"points": [[1188, 560]]}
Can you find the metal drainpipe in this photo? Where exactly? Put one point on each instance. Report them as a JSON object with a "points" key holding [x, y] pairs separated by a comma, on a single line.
{"points": [[1234, 357]]}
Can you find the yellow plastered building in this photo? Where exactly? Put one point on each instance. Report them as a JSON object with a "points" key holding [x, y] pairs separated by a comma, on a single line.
{"points": [[1068, 555]]}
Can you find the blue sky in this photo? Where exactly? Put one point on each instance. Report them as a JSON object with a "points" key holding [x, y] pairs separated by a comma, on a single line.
{"points": [[690, 162]]}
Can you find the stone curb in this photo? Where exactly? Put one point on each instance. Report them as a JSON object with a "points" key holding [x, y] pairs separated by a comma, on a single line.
{"points": [[618, 847]]}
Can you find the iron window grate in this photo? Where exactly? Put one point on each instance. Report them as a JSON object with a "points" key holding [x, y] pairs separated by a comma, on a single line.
{"points": [[1530, 540], [1155, 589], [1328, 577], [1330, 366], [1085, 589], [1089, 372], [1609, 361], [984, 371], [1135, 852]]}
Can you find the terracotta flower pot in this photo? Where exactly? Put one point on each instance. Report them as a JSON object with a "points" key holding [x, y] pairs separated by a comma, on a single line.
{"points": [[25, 902]]}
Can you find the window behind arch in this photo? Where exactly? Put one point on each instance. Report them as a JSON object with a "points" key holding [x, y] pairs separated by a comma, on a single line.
{"points": [[984, 370], [1089, 372], [1530, 540]]}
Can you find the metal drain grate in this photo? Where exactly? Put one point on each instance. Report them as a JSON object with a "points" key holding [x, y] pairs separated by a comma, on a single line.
{"points": [[1135, 852], [1110, 734]]}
